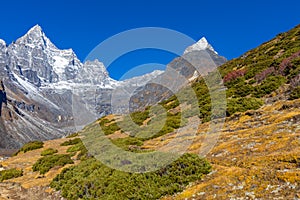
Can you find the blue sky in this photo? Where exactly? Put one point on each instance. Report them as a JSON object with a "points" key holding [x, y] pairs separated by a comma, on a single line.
{"points": [[232, 27]]}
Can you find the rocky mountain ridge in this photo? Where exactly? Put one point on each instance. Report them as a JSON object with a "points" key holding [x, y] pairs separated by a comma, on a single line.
{"points": [[40, 83]]}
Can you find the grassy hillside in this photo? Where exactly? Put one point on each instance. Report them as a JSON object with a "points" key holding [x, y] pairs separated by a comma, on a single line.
{"points": [[256, 155], [263, 70]]}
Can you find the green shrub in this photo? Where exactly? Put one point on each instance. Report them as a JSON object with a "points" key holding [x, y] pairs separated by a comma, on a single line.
{"points": [[9, 174], [93, 180], [139, 117], [31, 146], [252, 81], [242, 104], [104, 121], [171, 104], [295, 94], [126, 142], [159, 125], [49, 151], [242, 89], [205, 110], [75, 148], [173, 121], [269, 85], [71, 142], [73, 135], [166, 129], [44, 164], [78, 147], [295, 69], [110, 129]]}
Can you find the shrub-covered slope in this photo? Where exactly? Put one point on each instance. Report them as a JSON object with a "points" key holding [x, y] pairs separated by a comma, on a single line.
{"points": [[256, 155]]}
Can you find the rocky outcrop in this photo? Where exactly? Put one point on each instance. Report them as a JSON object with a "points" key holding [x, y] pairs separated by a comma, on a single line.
{"points": [[3, 99]]}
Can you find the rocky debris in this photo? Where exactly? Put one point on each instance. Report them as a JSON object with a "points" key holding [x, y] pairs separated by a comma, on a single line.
{"points": [[15, 191]]}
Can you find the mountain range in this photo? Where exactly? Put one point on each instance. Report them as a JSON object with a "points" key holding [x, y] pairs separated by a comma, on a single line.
{"points": [[39, 82], [255, 154]]}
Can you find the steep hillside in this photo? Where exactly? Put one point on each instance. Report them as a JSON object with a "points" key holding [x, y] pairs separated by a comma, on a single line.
{"points": [[257, 156], [253, 155], [263, 70]]}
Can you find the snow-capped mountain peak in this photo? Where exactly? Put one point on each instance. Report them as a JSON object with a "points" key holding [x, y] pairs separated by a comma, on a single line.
{"points": [[43, 83], [202, 44], [36, 38], [36, 58], [36, 28], [2, 43]]}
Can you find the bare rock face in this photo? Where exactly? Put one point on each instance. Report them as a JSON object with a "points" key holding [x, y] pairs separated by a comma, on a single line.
{"points": [[32, 108], [37, 59]]}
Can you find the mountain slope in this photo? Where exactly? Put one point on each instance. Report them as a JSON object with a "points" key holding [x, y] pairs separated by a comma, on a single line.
{"points": [[256, 155]]}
